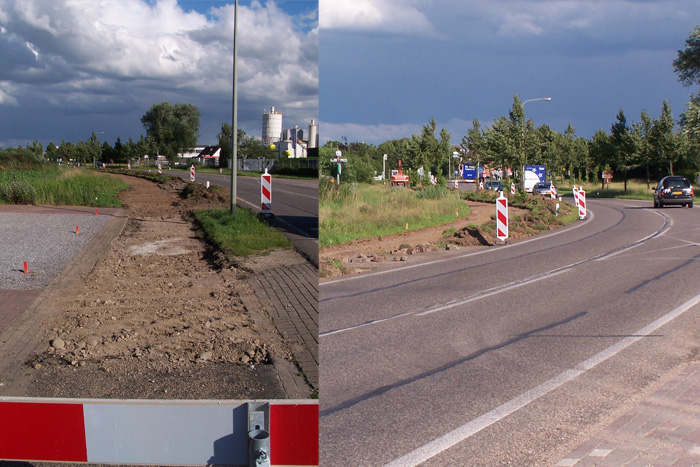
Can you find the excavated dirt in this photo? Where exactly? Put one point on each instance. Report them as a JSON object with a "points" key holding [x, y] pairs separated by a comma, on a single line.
{"points": [[160, 316], [478, 228]]}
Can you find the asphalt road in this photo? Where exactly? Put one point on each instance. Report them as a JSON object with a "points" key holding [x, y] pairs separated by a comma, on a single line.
{"points": [[294, 204], [513, 354]]}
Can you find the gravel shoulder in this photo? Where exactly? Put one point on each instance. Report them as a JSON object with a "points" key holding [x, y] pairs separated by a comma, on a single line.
{"points": [[161, 317]]}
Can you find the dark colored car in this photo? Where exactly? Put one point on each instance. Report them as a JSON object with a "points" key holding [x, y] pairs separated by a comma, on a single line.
{"points": [[542, 188], [493, 185], [673, 189]]}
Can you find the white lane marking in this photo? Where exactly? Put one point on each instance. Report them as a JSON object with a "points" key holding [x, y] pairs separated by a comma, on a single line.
{"points": [[446, 441], [497, 289]]}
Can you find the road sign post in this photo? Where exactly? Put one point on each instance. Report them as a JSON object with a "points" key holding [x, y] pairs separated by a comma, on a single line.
{"points": [[581, 204], [338, 159]]}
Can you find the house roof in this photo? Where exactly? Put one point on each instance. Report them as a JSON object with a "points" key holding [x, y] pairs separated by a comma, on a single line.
{"points": [[210, 151]]}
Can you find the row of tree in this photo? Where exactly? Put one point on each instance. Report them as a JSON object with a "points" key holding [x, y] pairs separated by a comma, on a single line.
{"points": [[170, 129], [645, 149]]}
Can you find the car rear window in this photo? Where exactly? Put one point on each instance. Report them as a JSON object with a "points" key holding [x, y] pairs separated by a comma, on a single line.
{"points": [[677, 183]]}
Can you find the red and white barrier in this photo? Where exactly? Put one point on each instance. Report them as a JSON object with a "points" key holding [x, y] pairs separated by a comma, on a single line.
{"points": [[581, 204], [481, 185], [160, 169], [575, 196], [457, 184], [192, 173], [128, 165], [153, 432], [502, 217], [265, 192], [512, 188], [553, 191]]}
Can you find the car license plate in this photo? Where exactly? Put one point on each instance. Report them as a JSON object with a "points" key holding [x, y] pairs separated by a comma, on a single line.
{"points": [[677, 192]]}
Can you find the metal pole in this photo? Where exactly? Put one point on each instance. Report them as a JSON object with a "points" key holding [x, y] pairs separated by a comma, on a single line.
{"points": [[234, 125]]}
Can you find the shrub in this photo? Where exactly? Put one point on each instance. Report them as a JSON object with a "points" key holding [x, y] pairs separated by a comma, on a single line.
{"points": [[18, 191]]}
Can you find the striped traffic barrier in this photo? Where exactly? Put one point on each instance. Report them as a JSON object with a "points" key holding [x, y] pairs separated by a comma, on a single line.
{"points": [[265, 192], [581, 204], [553, 191], [512, 188], [155, 431], [160, 169], [192, 173], [457, 184], [502, 217]]}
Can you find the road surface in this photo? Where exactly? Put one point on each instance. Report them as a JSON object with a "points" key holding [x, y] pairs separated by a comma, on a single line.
{"points": [[512, 354], [294, 204]]}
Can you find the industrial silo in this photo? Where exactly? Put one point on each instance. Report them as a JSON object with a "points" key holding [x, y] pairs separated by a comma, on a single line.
{"points": [[313, 134], [271, 126]]}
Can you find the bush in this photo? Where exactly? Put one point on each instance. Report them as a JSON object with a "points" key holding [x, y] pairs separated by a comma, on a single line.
{"points": [[433, 192], [18, 191]]}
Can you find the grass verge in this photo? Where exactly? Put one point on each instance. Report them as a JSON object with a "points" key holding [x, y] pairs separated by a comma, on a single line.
{"points": [[60, 187], [240, 234], [357, 211]]}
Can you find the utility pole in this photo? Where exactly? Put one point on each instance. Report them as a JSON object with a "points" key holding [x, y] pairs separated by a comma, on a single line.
{"points": [[234, 125]]}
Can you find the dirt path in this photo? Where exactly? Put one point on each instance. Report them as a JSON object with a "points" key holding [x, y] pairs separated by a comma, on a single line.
{"points": [[159, 317]]}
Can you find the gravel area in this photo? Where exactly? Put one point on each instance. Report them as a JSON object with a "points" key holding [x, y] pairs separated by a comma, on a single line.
{"points": [[24, 238]]}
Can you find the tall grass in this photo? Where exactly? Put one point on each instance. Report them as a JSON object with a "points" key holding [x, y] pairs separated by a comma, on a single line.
{"points": [[358, 211], [239, 234], [58, 186]]}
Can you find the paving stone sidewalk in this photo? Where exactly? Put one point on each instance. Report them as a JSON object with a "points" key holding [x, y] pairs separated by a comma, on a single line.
{"points": [[292, 296], [663, 430]]}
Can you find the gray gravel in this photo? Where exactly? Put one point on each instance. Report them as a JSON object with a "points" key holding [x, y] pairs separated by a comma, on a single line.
{"points": [[47, 242]]}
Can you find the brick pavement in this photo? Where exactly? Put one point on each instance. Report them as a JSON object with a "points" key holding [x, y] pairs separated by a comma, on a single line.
{"points": [[662, 430], [291, 293]]}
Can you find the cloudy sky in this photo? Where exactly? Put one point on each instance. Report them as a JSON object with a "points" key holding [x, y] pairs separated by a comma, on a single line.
{"points": [[388, 66], [71, 67]]}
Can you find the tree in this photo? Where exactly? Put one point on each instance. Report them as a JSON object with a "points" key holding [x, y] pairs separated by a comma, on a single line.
{"points": [[663, 138], [623, 146], [687, 65], [172, 129], [641, 132]]}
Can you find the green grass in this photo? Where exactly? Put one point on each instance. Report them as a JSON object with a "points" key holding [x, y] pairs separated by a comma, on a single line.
{"points": [[359, 211], [240, 234], [59, 186]]}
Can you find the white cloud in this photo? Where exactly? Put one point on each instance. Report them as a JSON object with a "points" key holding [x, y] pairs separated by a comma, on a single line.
{"points": [[386, 16], [73, 52]]}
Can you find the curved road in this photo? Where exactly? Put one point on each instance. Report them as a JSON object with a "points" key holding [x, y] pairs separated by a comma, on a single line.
{"points": [[294, 204], [512, 354]]}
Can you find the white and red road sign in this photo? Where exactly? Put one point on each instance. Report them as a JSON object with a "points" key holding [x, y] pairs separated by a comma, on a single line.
{"points": [[502, 217], [512, 188], [575, 196], [192, 173], [152, 432], [265, 192], [553, 191], [160, 169], [456, 183], [481, 185], [581, 204]]}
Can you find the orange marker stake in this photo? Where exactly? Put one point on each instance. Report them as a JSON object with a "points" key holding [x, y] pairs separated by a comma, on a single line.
{"points": [[26, 269], [76, 230], [95, 211]]}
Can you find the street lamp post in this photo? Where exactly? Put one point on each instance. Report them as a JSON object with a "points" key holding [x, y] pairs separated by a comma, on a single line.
{"points": [[522, 139], [234, 117]]}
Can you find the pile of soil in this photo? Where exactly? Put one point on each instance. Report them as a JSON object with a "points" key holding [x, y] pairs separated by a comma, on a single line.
{"points": [[160, 316], [478, 228]]}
